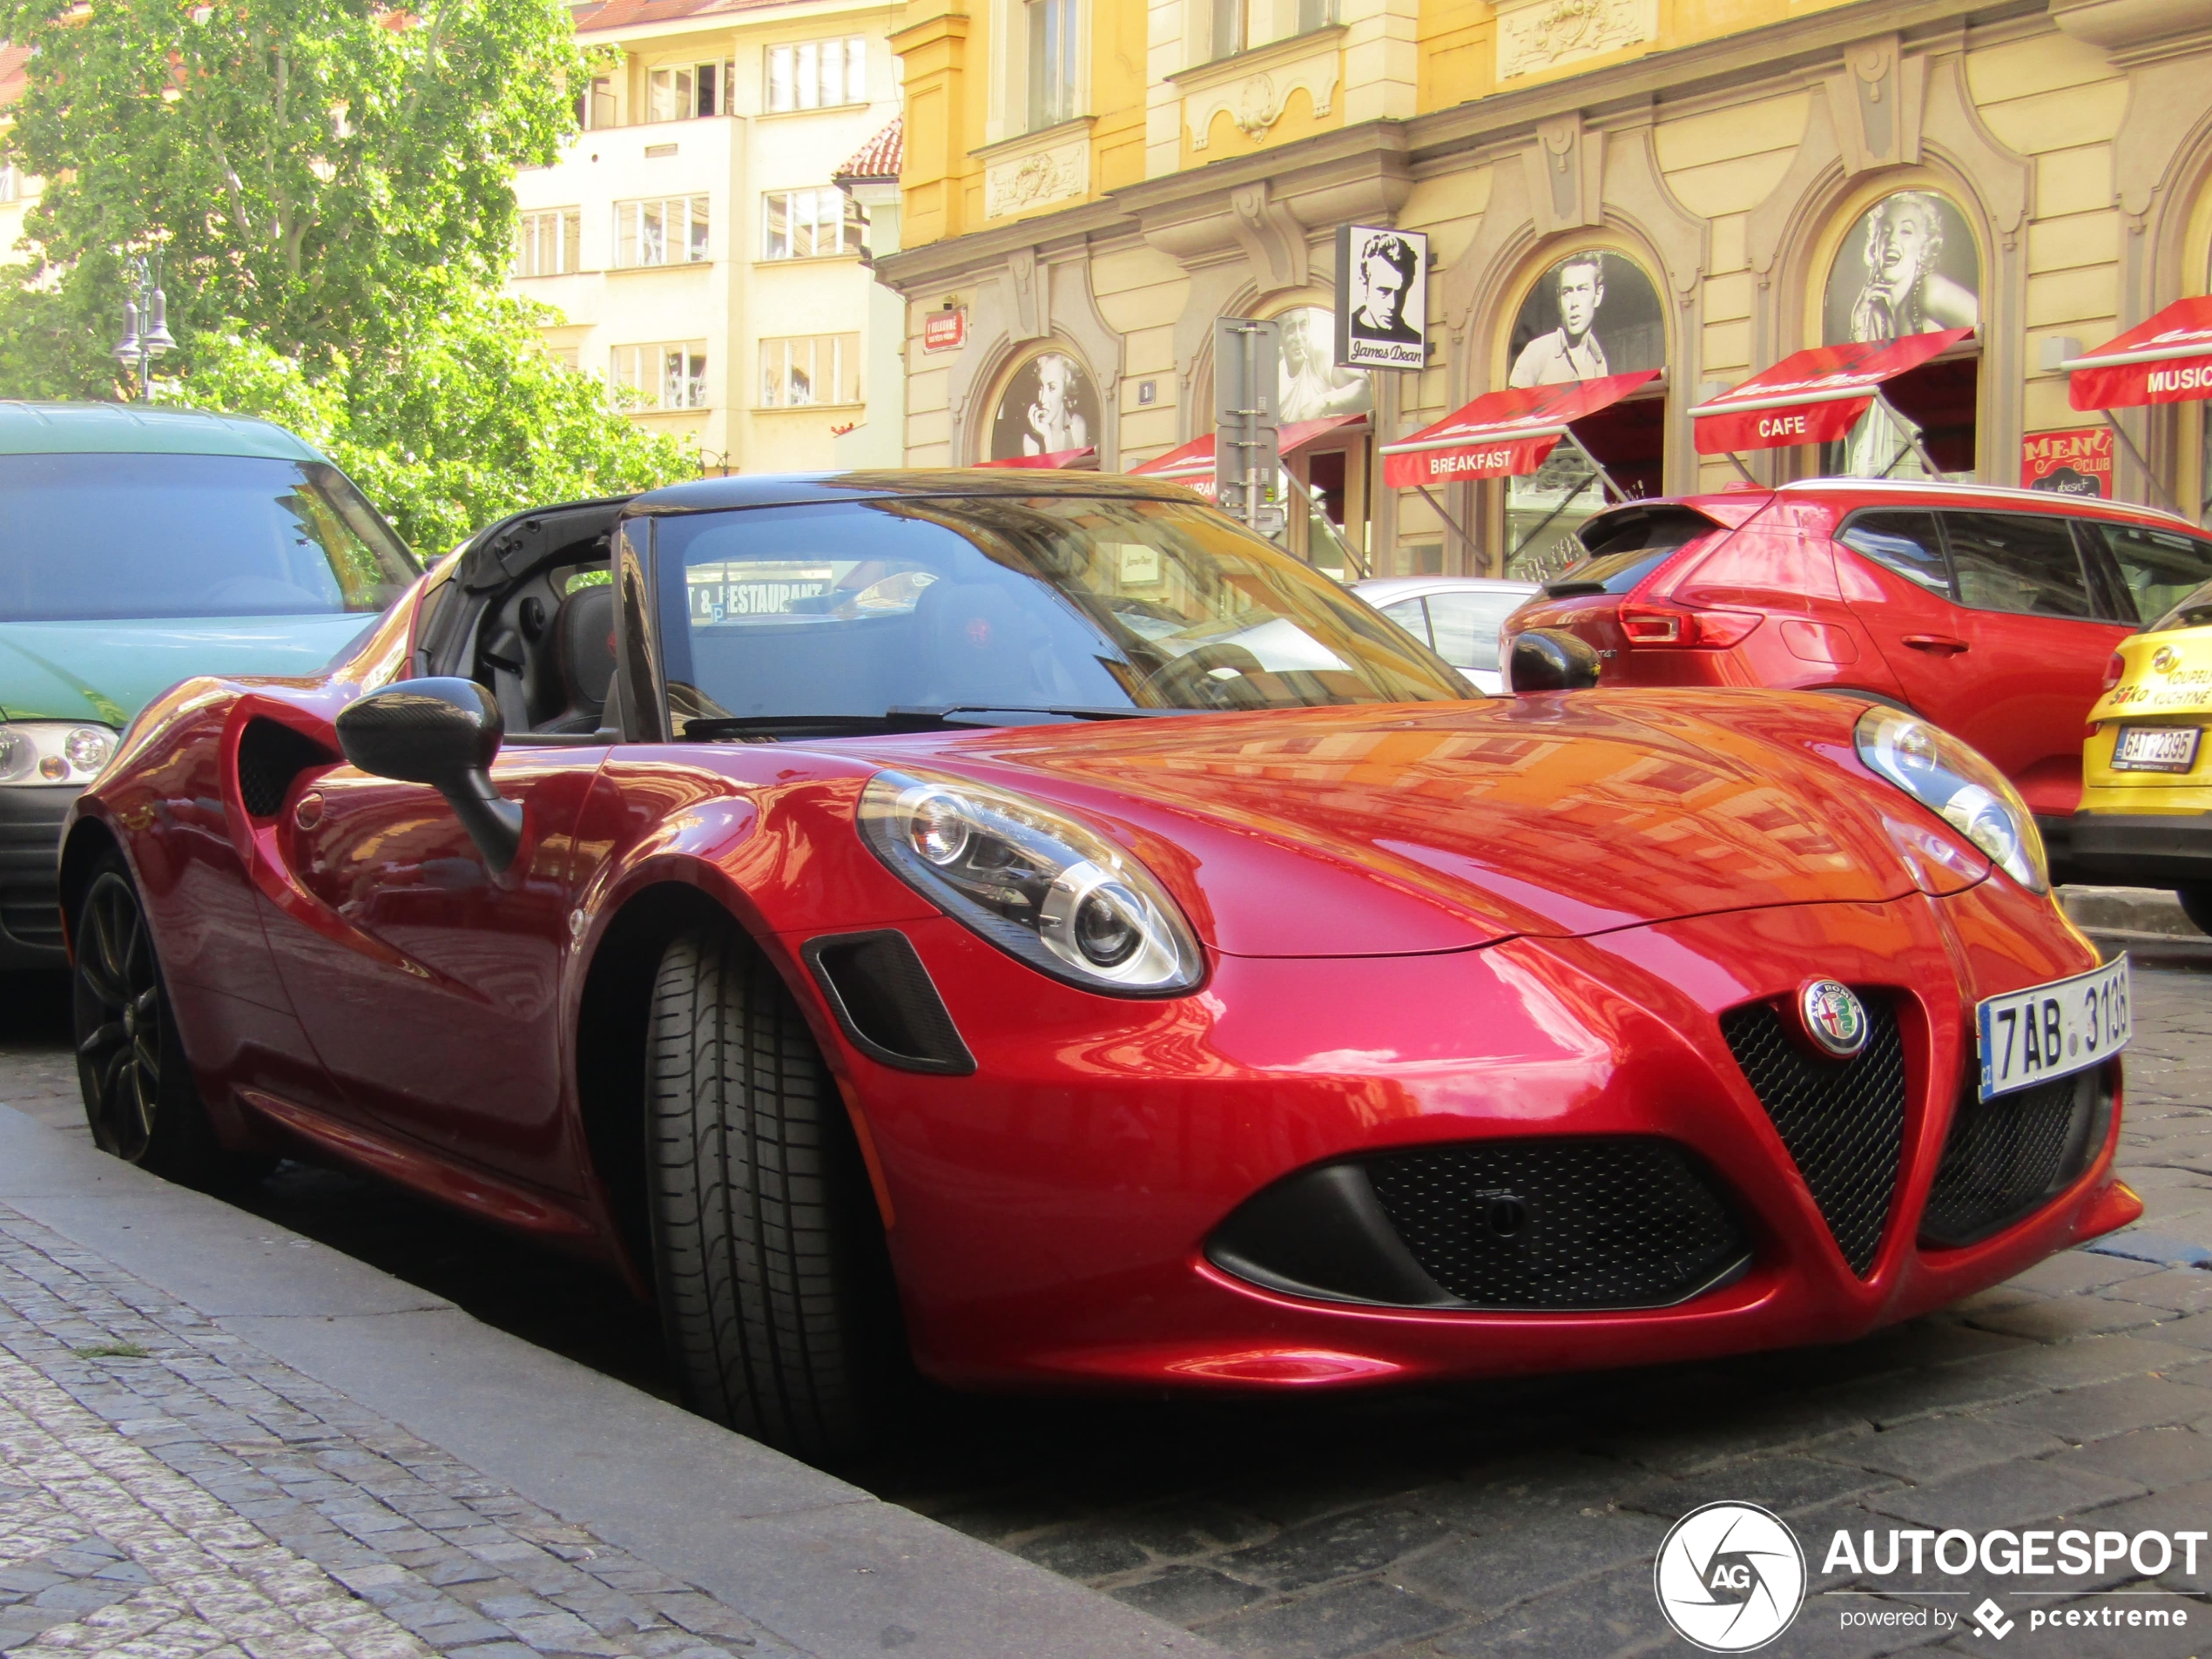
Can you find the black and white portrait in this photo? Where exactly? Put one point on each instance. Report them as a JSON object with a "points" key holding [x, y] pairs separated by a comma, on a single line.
{"points": [[1311, 385], [1050, 404], [1382, 298], [1592, 313], [1908, 267]]}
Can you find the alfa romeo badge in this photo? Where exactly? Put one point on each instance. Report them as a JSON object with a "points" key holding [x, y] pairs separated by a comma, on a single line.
{"points": [[1832, 1017]]}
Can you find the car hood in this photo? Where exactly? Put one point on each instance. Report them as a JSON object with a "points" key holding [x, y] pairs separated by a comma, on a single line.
{"points": [[106, 672], [1355, 831]]}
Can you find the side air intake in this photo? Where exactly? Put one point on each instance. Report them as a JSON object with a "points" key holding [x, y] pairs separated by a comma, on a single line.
{"points": [[885, 1002], [270, 755]]}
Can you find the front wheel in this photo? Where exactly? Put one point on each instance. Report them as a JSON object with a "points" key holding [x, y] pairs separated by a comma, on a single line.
{"points": [[774, 1281], [140, 1099]]}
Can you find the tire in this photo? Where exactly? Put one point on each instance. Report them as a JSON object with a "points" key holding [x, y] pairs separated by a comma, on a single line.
{"points": [[140, 1100], [774, 1280], [2197, 905]]}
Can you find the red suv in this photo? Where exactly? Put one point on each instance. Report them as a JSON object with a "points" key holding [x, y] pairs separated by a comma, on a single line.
{"points": [[1992, 613]]}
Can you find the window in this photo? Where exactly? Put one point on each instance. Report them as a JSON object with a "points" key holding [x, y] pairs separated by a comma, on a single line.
{"points": [[665, 377], [1412, 616], [681, 91], [1053, 37], [547, 242], [11, 183], [818, 74], [810, 368], [2026, 564], [189, 536], [595, 108], [809, 224], [1240, 24], [664, 230], [1903, 541], [1467, 625], [2160, 568]]}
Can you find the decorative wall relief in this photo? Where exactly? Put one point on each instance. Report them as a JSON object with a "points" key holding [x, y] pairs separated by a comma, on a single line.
{"points": [[1544, 34], [1014, 184], [1255, 95]]}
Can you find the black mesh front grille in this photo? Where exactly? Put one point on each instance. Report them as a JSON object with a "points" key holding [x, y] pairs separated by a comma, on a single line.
{"points": [[1560, 1223], [1843, 1120], [31, 842], [2007, 1155]]}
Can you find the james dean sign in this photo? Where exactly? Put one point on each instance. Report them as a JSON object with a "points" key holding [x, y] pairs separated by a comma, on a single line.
{"points": [[1382, 297]]}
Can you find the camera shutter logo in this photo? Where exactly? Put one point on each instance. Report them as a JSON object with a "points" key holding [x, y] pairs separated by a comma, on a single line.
{"points": [[1729, 1577]]}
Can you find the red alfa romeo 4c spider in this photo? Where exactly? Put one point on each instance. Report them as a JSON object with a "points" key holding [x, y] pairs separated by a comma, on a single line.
{"points": [[1028, 922]]}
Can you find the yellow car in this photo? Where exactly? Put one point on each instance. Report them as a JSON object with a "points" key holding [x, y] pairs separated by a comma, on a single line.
{"points": [[2146, 813]]}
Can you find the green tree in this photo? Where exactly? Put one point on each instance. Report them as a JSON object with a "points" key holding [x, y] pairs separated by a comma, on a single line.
{"points": [[328, 181]]}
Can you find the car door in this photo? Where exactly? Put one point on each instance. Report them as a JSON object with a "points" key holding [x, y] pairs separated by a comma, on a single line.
{"points": [[1999, 640], [428, 984]]}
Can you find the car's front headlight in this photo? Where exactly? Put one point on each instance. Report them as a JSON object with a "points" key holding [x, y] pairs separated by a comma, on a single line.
{"points": [[1959, 787], [1034, 882], [53, 752]]}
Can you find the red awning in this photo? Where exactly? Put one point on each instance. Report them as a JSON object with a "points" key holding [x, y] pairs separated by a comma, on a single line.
{"points": [[1191, 464], [2168, 359], [1502, 435], [1057, 461], [1813, 396]]}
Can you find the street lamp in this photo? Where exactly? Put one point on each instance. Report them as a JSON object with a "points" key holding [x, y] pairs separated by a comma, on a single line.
{"points": [[148, 306]]}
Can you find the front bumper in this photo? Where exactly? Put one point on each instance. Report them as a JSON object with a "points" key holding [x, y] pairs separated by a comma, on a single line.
{"points": [[1053, 1213], [30, 843], [2143, 849]]}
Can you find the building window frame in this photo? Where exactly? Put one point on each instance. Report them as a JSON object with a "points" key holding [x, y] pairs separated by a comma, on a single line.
{"points": [[793, 221], [828, 73], [796, 369], [652, 231], [549, 241], [1234, 26], [666, 375]]}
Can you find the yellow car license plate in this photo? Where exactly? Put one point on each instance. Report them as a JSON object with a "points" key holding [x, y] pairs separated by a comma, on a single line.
{"points": [[2155, 748]]}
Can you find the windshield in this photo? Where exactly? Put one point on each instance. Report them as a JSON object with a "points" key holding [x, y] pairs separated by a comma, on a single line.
{"points": [[2195, 612], [97, 537], [1051, 602]]}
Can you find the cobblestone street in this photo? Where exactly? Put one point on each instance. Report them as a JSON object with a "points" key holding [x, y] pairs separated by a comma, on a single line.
{"points": [[168, 1488]]}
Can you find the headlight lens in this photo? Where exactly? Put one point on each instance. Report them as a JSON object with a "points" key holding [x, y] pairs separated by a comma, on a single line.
{"points": [[53, 752], [1035, 883], [1959, 787]]}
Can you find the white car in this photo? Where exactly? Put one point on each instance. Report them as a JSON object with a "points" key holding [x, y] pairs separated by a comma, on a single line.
{"points": [[1457, 615]]}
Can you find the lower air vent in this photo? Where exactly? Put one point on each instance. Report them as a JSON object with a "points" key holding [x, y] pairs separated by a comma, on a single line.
{"points": [[1842, 1120], [885, 1003], [1542, 1226], [2008, 1157], [270, 755]]}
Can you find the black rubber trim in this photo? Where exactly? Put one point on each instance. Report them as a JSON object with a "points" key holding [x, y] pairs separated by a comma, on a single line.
{"points": [[1322, 1234], [2143, 849], [886, 1002]]}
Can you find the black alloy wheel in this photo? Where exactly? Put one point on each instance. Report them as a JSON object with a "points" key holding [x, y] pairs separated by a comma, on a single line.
{"points": [[139, 1097]]}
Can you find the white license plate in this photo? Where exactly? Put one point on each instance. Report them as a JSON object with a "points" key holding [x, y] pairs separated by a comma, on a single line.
{"points": [[2155, 748], [2031, 1037]]}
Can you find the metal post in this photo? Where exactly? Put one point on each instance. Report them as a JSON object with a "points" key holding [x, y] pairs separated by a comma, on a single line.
{"points": [[1452, 523], [1911, 438], [2120, 433]]}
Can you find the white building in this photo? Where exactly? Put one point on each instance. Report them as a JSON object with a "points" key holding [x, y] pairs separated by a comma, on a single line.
{"points": [[691, 238]]}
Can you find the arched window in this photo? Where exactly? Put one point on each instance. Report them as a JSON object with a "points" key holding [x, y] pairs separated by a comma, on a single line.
{"points": [[1048, 405], [1908, 264], [1591, 313]]}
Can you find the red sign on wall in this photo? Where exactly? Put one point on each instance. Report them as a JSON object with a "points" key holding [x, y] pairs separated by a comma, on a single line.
{"points": [[945, 330], [2077, 463]]}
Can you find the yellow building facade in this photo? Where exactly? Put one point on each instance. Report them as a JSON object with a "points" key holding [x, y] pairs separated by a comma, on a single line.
{"points": [[1088, 184]]}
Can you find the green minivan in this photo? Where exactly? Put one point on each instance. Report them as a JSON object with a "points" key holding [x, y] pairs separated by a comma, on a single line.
{"points": [[140, 546]]}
